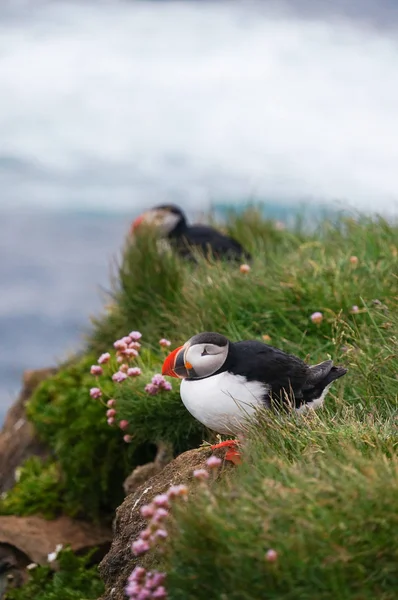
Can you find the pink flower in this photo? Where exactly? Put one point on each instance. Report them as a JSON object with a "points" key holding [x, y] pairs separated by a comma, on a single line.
{"points": [[119, 376], [201, 474], [123, 368], [317, 317], [111, 421], [133, 371], [354, 260], [138, 574], [120, 359], [160, 514], [140, 547], [127, 339], [213, 462], [161, 533], [151, 389], [158, 383], [147, 511], [158, 379], [271, 555], [130, 352], [143, 585], [111, 412], [132, 590], [162, 500], [104, 358], [135, 335], [154, 580], [355, 309], [135, 345], [164, 343], [177, 490], [127, 438], [145, 534], [96, 370], [244, 268], [123, 424], [95, 392], [111, 402], [120, 345]]}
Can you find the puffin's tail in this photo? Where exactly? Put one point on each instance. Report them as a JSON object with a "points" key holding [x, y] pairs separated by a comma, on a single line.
{"points": [[320, 377]]}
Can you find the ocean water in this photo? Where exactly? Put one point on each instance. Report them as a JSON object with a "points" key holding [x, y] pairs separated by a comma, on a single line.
{"points": [[108, 107], [54, 273]]}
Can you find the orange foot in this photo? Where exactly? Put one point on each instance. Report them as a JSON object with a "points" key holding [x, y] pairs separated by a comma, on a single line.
{"points": [[232, 454]]}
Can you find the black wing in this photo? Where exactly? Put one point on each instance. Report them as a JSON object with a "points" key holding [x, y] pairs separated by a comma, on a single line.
{"points": [[208, 239], [284, 373]]}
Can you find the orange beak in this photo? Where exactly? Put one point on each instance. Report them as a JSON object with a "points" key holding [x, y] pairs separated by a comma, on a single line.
{"points": [[174, 365], [135, 224]]}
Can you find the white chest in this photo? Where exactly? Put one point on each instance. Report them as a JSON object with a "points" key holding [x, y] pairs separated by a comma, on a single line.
{"points": [[222, 402]]}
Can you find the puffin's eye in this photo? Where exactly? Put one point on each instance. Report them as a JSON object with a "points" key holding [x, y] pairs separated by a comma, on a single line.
{"points": [[204, 353]]}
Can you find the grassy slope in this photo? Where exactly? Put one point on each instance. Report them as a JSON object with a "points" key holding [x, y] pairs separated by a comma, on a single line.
{"points": [[321, 491]]}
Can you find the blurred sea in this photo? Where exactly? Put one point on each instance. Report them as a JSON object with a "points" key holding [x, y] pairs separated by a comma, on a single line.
{"points": [[51, 271], [111, 106]]}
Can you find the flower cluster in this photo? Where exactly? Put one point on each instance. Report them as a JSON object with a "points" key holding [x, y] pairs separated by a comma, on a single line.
{"points": [[157, 384], [156, 513], [144, 585], [127, 349]]}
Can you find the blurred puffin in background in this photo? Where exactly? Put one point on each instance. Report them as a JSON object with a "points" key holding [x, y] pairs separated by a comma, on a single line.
{"points": [[223, 382], [171, 224]]}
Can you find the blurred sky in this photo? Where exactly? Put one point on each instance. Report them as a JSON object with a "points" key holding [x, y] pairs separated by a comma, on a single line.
{"points": [[108, 107]]}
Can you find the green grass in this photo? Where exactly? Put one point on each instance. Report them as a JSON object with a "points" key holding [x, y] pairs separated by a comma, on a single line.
{"points": [[38, 490], [323, 491], [89, 459], [292, 276], [75, 579]]}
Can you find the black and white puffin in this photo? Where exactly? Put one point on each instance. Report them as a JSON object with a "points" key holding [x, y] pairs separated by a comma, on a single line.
{"points": [[171, 223], [224, 382]]}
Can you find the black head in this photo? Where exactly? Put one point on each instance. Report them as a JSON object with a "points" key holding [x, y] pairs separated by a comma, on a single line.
{"points": [[201, 356], [166, 218]]}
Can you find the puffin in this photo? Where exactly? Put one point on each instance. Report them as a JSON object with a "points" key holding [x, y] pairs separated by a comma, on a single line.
{"points": [[224, 382], [171, 224]]}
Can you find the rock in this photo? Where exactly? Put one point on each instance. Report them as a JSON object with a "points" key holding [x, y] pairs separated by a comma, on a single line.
{"points": [[119, 562], [18, 440], [142, 473], [34, 538]]}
